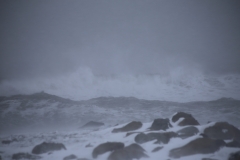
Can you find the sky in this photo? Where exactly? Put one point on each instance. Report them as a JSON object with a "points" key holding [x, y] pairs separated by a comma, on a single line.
{"points": [[42, 39]]}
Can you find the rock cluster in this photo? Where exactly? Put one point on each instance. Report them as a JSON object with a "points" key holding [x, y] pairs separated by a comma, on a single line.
{"points": [[200, 140]]}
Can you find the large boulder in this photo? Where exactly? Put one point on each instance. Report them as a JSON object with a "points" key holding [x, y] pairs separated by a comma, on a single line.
{"points": [[129, 127], [106, 147], [47, 147], [160, 124], [234, 156], [197, 146], [224, 131], [92, 124], [234, 144], [159, 137], [188, 119], [133, 151], [20, 156], [187, 132]]}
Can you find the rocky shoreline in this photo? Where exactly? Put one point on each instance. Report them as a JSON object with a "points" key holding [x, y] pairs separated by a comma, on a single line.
{"points": [[178, 137]]}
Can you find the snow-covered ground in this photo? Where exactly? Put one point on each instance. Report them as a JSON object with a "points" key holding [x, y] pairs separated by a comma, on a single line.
{"points": [[76, 142]]}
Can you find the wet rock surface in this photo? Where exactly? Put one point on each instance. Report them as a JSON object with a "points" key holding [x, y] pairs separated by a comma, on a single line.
{"points": [[133, 151], [47, 147], [234, 144], [224, 131], [198, 146], [134, 125], [234, 156], [159, 137], [106, 147], [27, 156], [160, 124], [188, 119], [187, 132]]}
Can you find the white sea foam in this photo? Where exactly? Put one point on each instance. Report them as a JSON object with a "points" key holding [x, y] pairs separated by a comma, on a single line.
{"points": [[180, 85]]}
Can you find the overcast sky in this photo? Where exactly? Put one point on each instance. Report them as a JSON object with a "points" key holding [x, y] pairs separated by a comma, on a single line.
{"points": [[52, 37]]}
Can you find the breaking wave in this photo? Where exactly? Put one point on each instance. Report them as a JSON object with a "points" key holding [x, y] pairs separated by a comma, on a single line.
{"points": [[180, 85]]}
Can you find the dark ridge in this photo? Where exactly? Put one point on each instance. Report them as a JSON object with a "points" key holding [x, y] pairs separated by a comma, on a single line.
{"points": [[127, 101], [111, 100], [39, 96], [223, 99]]}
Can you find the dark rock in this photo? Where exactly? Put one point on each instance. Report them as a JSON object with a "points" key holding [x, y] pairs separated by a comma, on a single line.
{"points": [[204, 135], [142, 138], [129, 127], [188, 119], [93, 124], [234, 156], [157, 149], [47, 147], [160, 124], [197, 146], [0, 157], [133, 151], [224, 131], [135, 146], [160, 137], [6, 141], [187, 132], [25, 156], [105, 147], [72, 156], [234, 144], [88, 145], [208, 159]]}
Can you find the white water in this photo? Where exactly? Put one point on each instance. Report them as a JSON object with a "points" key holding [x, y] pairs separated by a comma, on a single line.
{"points": [[181, 85]]}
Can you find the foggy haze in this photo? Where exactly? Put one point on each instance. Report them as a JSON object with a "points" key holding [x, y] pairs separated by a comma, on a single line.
{"points": [[78, 47]]}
